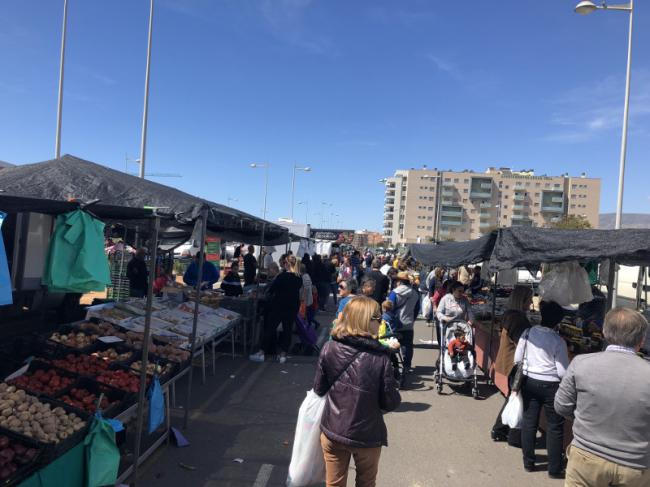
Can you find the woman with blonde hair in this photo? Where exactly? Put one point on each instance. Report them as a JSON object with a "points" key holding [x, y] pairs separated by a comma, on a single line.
{"points": [[355, 372], [284, 303], [513, 324]]}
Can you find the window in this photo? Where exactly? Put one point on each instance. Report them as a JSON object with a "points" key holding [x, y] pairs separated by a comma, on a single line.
{"points": [[573, 196], [447, 180], [500, 184], [535, 214], [505, 197], [507, 187], [528, 185], [429, 228], [466, 181], [466, 190], [472, 211], [537, 185], [456, 180], [536, 204], [536, 195], [573, 206], [574, 186], [505, 207], [547, 185]]}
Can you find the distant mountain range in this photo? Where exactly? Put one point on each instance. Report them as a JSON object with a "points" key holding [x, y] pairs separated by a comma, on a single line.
{"points": [[630, 220]]}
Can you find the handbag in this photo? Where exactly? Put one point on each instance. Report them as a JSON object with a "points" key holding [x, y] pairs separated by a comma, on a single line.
{"points": [[518, 379]]}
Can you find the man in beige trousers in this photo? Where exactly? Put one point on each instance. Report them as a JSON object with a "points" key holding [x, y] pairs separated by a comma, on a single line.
{"points": [[608, 396]]}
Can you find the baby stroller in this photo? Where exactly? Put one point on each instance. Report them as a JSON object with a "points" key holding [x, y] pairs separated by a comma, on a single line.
{"points": [[464, 371], [308, 338]]}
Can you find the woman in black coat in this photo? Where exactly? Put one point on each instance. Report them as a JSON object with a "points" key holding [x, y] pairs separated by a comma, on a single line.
{"points": [[355, 372]]}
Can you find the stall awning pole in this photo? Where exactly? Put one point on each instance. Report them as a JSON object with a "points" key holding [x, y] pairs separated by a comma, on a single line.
{"points": [[145, 347], [197, 301], [611, 280], [494, 319]]}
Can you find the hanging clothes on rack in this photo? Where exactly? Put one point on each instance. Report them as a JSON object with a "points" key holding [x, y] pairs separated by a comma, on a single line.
{"points": [[76, 261], [6, 296]]}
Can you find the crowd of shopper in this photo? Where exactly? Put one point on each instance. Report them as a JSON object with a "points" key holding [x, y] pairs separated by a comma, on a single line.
{"points": [[606, 395]]}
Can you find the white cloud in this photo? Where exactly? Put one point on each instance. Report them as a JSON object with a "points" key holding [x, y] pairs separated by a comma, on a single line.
{"points": [[444, 66], [590, 110], [286, 21]]}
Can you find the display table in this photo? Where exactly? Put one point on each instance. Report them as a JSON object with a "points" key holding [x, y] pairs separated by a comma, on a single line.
{"points": [[68, 470]]}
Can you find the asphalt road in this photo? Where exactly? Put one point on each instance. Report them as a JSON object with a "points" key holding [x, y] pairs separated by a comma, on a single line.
{"points": [[243, 419]]}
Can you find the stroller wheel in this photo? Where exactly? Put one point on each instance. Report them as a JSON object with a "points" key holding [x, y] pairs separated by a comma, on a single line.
{"points": [[474, 392], [439, 388]]}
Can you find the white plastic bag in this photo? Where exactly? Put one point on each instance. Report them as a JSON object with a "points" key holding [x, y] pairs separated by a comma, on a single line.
{"points": [[566, 283], [514, 411], [307, 463], [426, 306]]}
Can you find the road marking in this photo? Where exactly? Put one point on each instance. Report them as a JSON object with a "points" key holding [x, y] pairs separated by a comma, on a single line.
{"points": [[263, 475]]}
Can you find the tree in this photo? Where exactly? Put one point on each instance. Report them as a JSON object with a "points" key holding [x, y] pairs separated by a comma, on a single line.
{"points": [[572, 222]]}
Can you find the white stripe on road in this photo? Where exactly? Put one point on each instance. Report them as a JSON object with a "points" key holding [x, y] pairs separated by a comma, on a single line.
{"points": [[263, 475]]}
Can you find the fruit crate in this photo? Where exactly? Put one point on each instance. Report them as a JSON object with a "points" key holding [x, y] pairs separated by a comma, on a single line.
{"points": [[120, 400], [24, 470], [36, 368]]}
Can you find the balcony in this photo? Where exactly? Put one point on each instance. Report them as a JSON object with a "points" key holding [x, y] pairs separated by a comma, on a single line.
{"points": [[389, 208], [526, 222], [446, 221], [557, 199], [485, 224], [389, 201], [515, 216], [518, 207], [480, 194], [390, 194], [519, 197], [486, 204], [553, 209], [388, 224], [447, 192], [486, 186], [447, 184]]}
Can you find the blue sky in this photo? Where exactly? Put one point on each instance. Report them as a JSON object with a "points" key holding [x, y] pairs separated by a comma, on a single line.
{"points": [[354, 89]]}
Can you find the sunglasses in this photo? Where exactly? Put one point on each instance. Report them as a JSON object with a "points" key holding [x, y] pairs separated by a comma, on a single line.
{"points": [[376, 318]]}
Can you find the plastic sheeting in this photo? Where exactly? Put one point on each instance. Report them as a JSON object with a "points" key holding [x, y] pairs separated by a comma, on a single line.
{"points": [[454, 254], [48, 187], [526, 246]]}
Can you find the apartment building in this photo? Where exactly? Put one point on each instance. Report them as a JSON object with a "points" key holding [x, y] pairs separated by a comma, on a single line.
{"points": [[425, 204]]}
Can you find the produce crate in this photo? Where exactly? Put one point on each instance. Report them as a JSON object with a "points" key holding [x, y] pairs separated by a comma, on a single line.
{"points": [[67, 329], [123, 371], [51, 451], [61, 356], [120, 348], [27, 469], [121, 400], [37, 365], [172, 367]]}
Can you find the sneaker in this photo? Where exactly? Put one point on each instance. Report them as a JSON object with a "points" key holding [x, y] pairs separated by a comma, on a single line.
{"points": [[282, 359], [257, 357]]}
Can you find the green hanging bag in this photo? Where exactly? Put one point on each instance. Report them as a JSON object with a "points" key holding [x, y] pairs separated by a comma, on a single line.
{"points": [[102, 454]]}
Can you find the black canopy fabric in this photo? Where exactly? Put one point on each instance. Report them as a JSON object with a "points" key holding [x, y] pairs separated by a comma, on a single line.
{"points": [[525, 246], [49, 186], [453, 254]]}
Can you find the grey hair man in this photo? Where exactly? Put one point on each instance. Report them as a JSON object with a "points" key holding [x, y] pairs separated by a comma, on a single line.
{"points": [[608, 396]]}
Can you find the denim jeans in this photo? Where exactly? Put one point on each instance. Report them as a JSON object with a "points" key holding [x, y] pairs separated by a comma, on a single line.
{"points": [[538, 394]]}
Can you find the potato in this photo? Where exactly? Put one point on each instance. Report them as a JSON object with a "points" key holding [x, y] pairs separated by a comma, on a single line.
{"points": [[11, 389], [7, 412]]}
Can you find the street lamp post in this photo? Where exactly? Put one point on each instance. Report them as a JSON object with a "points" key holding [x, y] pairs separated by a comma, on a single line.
{"points": [[584, 8], [145, 111], [264, 166], [59, 111], [306, 203], [293, 182], [323, 213]]}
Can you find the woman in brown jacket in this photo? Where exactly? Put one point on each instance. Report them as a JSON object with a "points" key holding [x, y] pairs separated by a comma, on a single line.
{"points": [[355, 372], [513, 324]]}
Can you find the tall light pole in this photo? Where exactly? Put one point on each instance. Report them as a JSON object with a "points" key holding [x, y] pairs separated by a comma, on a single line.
{"points": [[293, 183], [306, 203], [145, 112], [264, 166], [59, 111], [584, 8], [323, 214]]}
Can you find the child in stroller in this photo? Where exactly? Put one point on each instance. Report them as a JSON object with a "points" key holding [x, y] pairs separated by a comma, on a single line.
{"points": [[460, 349]]}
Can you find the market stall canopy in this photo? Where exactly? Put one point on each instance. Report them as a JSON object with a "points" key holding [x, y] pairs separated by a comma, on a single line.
{"points": [[50, 186], [526, 246], [454, 254]]}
